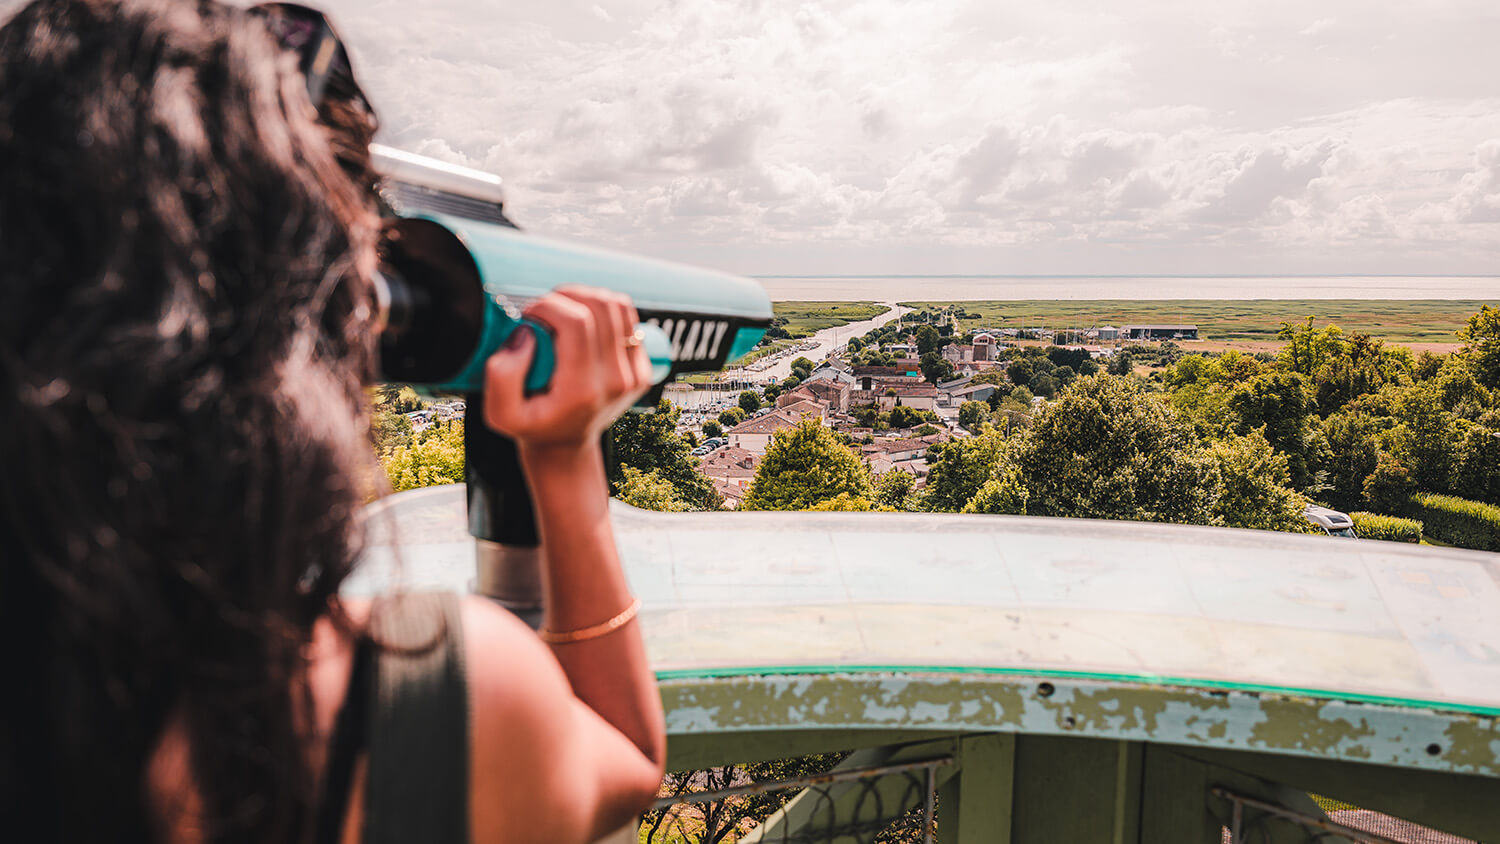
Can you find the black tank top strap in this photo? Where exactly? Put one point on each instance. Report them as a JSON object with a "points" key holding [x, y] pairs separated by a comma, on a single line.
{"points": [[408, 709], [417, 787]]}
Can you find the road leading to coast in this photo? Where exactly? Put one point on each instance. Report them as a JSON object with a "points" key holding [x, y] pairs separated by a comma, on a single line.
{"points": [[826, 341]]}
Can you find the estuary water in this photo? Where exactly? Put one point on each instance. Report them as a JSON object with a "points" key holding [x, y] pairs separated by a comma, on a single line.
{"points": [[908, 288]]}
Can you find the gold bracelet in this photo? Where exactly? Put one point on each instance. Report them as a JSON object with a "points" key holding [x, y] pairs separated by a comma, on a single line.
{"points": [[592, 632]]}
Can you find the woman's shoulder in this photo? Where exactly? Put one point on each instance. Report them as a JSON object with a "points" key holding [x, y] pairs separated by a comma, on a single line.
{"points": [[512, 676], [545, 767]]}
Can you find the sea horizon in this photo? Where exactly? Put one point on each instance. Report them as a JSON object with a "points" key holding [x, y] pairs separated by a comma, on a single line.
{"points": [[965, 287]]}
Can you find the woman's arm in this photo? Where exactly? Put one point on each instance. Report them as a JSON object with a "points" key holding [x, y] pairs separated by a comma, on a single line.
{"points": [[589, 738], [584, 586]]}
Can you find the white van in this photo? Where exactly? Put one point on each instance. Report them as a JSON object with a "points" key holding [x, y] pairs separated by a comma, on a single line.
{"points": [[1332, 522]]}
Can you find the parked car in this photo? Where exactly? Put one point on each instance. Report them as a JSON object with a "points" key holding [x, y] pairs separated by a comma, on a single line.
{"points": [[1332, 522]]}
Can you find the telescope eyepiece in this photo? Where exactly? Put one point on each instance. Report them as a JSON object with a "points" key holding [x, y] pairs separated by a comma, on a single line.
{"points": [[432, 303]]}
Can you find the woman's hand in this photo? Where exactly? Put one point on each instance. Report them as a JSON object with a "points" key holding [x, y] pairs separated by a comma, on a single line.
{"points": [[599, 372]]}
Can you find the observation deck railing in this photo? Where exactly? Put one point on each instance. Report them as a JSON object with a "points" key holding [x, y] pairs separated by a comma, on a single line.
{"points": [[1051, 680]]}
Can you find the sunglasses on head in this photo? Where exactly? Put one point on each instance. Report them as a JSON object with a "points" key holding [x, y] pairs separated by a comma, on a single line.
{"points": [[308, 34]]}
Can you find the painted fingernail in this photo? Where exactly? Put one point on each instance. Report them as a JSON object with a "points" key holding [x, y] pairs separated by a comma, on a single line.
{"points": [[518, 337]]}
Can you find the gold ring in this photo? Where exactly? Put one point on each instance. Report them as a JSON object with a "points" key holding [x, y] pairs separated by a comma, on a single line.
{"points": [[635, 339]]}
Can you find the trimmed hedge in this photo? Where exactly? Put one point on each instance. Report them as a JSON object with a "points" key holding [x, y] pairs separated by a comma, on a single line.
{"points": [[1459, 521], [1389, 528]]}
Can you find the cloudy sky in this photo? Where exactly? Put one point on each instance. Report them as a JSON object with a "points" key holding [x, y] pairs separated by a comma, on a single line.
{"points": [[967, 136]]}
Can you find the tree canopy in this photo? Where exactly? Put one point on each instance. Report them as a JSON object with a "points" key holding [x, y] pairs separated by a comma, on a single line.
{"points": [[649, 491], [972, 414], [893, 489], [1481, 338], [958, 468], [648, 443], [433, 457], [804, 466], [935, 367], [1106, 449]]}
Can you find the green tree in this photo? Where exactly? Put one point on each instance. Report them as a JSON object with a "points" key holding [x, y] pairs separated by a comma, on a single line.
{"points": [[1309, 350], [1427, 365], [928, 339], [732, 417], [1191, 369], [1061, 356], [804, 466], [1481, 338], [972, 414], [1044, 385], [749, 401], [845, 503], [1004, 493], [935, 368], [802, 367], [1458, 390], [993, 376], [1281, 403], [957, 469], [649, 491], [648, 443], [389, 429], [1426, 436], [1353, 447], [712, 429], [1122, 363], [893, 489], [1476, 462], [1249, 483], [902, 416], [1205, 405], [1108, 449], [865, 415], [434, 457], [1389, 488], [1019, 371], [1362, 366]]}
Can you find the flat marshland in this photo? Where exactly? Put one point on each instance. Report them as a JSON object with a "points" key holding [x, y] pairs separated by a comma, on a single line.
{"points": [[1249, 324]]}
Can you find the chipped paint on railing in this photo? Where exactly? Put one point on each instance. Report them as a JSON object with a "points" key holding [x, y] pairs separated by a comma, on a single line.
{"points": [[1304, 726]]}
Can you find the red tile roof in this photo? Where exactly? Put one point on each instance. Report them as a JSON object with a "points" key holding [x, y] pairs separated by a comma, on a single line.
{"points": [[768, 424]]}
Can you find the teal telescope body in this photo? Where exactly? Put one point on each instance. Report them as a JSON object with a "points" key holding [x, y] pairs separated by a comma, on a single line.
{"points": [[458, 276]]}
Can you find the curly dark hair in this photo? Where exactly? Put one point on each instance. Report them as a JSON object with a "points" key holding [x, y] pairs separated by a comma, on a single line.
{"points": [[185, 333]]}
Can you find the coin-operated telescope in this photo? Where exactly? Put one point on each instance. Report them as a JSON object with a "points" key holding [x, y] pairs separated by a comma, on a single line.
{"points": [[456, 274]]}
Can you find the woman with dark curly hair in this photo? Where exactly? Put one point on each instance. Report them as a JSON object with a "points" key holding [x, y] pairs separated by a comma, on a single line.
{"points": [[188, 238]]}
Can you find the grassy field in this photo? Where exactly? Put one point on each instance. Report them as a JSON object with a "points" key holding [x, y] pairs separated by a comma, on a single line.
{"points": [[803, 319], [769, 348], [1424, 322]]}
